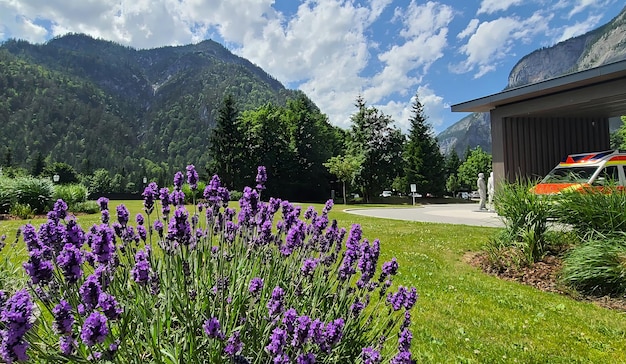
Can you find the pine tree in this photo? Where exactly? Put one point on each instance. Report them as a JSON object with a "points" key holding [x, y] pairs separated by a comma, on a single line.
{"points": [[226, 145], [424, 164]]}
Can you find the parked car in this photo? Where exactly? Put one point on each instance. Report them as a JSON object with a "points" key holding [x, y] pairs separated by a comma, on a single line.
{"points": [[386, 194], [578, 171]]}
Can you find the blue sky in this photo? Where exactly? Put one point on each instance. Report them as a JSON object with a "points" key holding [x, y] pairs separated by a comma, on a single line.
{"points": [[333, 50]]}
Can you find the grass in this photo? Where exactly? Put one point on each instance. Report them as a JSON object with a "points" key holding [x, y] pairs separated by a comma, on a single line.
{"points": [[464, 315]]}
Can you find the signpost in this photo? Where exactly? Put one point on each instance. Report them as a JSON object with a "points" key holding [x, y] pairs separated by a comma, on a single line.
{"points": [[413, 190]]}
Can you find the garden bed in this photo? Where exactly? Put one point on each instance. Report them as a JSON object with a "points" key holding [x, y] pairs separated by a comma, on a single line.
{"points": [[542, 275]]}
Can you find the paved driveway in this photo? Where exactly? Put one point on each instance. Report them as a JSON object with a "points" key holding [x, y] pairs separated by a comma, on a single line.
{"points": [[463, 214]]}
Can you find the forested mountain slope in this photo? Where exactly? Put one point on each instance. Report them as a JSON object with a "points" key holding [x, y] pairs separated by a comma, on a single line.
{"points": [[97, 104]]}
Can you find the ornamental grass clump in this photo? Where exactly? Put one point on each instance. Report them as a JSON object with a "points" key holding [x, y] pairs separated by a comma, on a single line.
{"points": [[209, 284]]}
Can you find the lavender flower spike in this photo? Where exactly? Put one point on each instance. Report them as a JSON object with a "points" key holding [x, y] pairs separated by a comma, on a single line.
{"points": [[261, 178], [95, 329], [192, 177], [16, 320]]}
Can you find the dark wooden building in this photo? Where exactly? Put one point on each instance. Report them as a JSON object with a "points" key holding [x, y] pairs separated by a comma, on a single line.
{"points": [[534, 126]]}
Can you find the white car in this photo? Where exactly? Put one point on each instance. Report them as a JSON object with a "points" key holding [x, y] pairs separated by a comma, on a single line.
{"points": [[386, 194]]}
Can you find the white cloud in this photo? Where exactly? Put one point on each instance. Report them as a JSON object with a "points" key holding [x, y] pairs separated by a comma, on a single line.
{"points": [[578, 28], [582, 5], [434, 109], [492, 6], [494, 40], [425, 30], [469, 29]]}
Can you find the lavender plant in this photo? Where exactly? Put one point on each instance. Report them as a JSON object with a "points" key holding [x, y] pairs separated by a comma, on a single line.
{"points": [[209, 284]]}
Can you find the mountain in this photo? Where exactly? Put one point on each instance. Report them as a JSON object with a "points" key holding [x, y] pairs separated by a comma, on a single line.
{"points": [[600, 46], [472, 130], [97, 104]]}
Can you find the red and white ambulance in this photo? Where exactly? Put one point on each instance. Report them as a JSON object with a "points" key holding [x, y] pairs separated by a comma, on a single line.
{"points": [[579, 171]]}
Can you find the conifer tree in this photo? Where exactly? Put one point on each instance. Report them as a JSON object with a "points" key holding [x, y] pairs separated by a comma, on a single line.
{"points": [[424, 164], [226, 145]]}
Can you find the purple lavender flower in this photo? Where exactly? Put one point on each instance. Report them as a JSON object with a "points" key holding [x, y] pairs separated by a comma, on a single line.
{"points": [[261, 178], [211, 191], [389, 268], [38, 267], [256, 285], [142, 232], [60, 209], [316, 332], [122, 214], [158, 227], [67, 345], [74, 234], [95, 329], [368, 260], [90, 292], [289, 320], [150, 193], [411, 298], [177, 197], [103, 202], [327, 207], [333, 332], [404, 340], [275, 303], [370, 356], [295, 237], [213, 329], [30, 237], [164, 196], [356, 308], [106, 217], [308, 358], [63, 318], [101, 239], [277, 341], [192, 177], [139, 219], [178, 180], [265, 234], [233, 344], [70, 260], [309, 213], [16, 319], [52, 235], [179, 229], [109, 306], [141, 270], [403, 357], [308, 266], [301, 332]]}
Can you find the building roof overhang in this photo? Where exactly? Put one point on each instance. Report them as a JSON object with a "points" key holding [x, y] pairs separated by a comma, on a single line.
{"points": [[610, 102]]}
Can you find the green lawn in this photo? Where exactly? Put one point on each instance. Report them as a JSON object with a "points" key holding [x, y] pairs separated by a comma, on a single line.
{"points": [[464, 315]]}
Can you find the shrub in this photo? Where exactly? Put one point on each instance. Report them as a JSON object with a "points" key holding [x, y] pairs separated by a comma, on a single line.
{"points": [[597, 266], [525, 217], [594, 210], [35, 192], [23, 211], [70, 193], [224, 287], [6, 194], [88, 207]]}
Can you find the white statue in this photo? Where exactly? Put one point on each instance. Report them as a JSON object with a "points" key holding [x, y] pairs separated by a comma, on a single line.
{"points": [[482, 191], [491, 190]]}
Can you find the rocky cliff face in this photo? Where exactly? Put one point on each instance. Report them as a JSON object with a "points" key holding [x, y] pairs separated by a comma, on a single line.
{"points": [[601, 46]]}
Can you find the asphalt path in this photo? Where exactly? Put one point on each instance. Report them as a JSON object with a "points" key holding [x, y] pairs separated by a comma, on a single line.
{"points": [[462, 214]]}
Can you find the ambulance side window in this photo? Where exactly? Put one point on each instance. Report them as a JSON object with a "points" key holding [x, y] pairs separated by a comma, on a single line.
{"points": [[608, 176]]}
